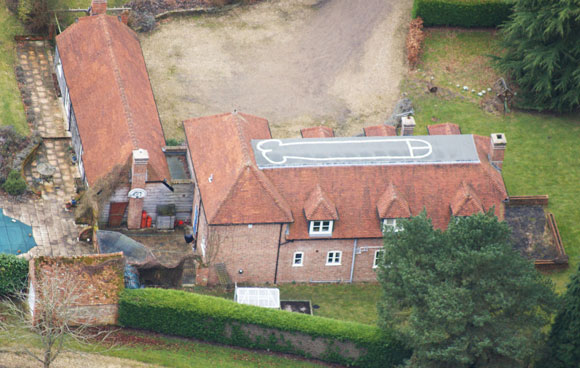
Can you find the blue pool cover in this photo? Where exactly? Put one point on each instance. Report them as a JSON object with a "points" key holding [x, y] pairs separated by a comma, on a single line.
{"points": [[15, 237]]}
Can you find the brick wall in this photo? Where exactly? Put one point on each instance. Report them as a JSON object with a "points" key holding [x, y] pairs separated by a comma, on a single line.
{"points": [[363, 269], [314, 266], [98, 278], [251, 248]]}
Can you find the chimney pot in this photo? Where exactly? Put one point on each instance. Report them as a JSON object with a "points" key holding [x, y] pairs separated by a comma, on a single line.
{"points": [[407, 125], [498, 145]]}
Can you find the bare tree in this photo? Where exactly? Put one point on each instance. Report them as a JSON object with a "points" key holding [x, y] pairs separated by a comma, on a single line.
{"points": [[50, 313]]}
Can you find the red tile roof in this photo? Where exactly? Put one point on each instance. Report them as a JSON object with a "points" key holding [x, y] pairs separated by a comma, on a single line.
{"points": [[317, 132], [233, 189], [358, 192], [465, 202], [111, 96], [444, 129], [392, 204], [380, 131], [318, 207]]}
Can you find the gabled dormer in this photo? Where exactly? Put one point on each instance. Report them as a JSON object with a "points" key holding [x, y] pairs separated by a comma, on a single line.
{"points": [[391, 207], [320, 212], [465, 202]]}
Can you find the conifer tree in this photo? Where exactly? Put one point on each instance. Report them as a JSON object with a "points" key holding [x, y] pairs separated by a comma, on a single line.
{"points": [[564, 342], [463, 298], [543, 53]]}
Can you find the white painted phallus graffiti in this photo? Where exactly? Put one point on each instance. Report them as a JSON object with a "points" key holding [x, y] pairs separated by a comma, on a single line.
{"points": [[404, 148]]}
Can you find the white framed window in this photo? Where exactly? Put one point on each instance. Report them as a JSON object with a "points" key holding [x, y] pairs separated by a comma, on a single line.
{"points": [[378, 255], [298, 259], [333, 258], [321, 227], [391, 223]]}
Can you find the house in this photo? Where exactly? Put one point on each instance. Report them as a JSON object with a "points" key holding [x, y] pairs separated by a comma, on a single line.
{"points": [[113, 119], [313, 209], [80, 289]]}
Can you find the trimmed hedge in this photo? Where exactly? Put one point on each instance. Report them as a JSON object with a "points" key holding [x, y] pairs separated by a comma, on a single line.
{"points": [[13, 274], [219, 320], [463, 13]]}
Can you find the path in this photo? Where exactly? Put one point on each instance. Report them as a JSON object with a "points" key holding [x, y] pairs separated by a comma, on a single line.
{"points": [[295, 62], [53, 228]]}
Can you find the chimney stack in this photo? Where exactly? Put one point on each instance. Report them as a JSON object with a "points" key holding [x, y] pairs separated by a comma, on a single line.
{"points": [[498, 143], [137, 193], [98, 7], [407, 125]]}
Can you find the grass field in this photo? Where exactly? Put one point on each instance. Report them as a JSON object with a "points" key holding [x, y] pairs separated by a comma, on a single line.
{"points": [[156, 350], [180, 353], [543, 149], [349, 302], [11, 107]]}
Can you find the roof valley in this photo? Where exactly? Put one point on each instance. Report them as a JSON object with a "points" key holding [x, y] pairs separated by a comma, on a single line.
{"points": [[119, 81]]}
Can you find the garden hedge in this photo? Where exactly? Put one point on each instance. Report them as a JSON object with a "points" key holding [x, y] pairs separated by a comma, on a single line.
{"points": [[223, 321], [463, 13], [13, 274]]}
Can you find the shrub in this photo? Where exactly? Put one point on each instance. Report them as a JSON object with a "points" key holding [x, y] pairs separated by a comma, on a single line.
{"points": [[415, 40], [463, 13], [142, 21], [13, 271], [222, 321], [14, 184], [172, 142]]}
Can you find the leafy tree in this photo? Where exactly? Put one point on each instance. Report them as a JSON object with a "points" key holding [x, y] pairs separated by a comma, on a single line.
{"points": [[564, 343], [463, 297], [543, 53]]}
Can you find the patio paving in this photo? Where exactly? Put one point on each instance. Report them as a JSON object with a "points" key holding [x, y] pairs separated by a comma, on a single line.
{"points": [[53, 227]]}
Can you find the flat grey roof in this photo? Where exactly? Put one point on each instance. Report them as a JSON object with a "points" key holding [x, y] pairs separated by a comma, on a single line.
{"points": [[365, 151]]}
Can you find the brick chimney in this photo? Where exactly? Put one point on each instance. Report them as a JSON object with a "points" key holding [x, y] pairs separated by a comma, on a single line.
{"points": [[138, 179], [498, 143], [98, 7], [407, 125]]}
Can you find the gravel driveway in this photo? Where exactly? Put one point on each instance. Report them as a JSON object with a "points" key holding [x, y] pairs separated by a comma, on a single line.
{"points": [[297, 63]]}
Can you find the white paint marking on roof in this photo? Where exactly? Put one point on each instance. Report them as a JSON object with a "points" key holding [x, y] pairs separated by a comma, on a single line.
{"points": [[421, 145]]}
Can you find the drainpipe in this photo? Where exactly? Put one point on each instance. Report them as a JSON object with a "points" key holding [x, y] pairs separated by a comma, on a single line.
{"points": [[278, 255], [353, 258]]}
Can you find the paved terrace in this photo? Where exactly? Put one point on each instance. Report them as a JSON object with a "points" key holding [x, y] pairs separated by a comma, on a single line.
{"points": [[53, 227]]}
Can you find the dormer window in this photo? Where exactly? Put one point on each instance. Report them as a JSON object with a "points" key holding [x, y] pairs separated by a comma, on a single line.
{"points": [[391, 223], [321, 228]]}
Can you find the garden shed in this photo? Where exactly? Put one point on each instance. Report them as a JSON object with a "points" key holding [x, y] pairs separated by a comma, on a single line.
{"points": [[260, 297]]}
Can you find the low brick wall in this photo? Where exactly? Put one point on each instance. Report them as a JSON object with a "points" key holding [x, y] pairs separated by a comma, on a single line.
{"points": [[537, 200], [561, 261], [296, 342]]}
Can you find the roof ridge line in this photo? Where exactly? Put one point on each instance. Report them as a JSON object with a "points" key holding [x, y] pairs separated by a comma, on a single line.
{"points": [[242, 137], [228, 195], [270, 189], [324, 200], [117, 74]]}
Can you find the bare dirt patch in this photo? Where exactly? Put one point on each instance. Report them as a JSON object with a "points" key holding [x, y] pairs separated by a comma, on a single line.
{"points": [[298, 63]]}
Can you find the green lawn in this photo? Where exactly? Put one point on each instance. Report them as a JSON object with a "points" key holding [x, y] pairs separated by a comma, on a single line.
{"points": [[180, 353], [11, 107], [543, 149], [169, 351], [349, 302]]}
